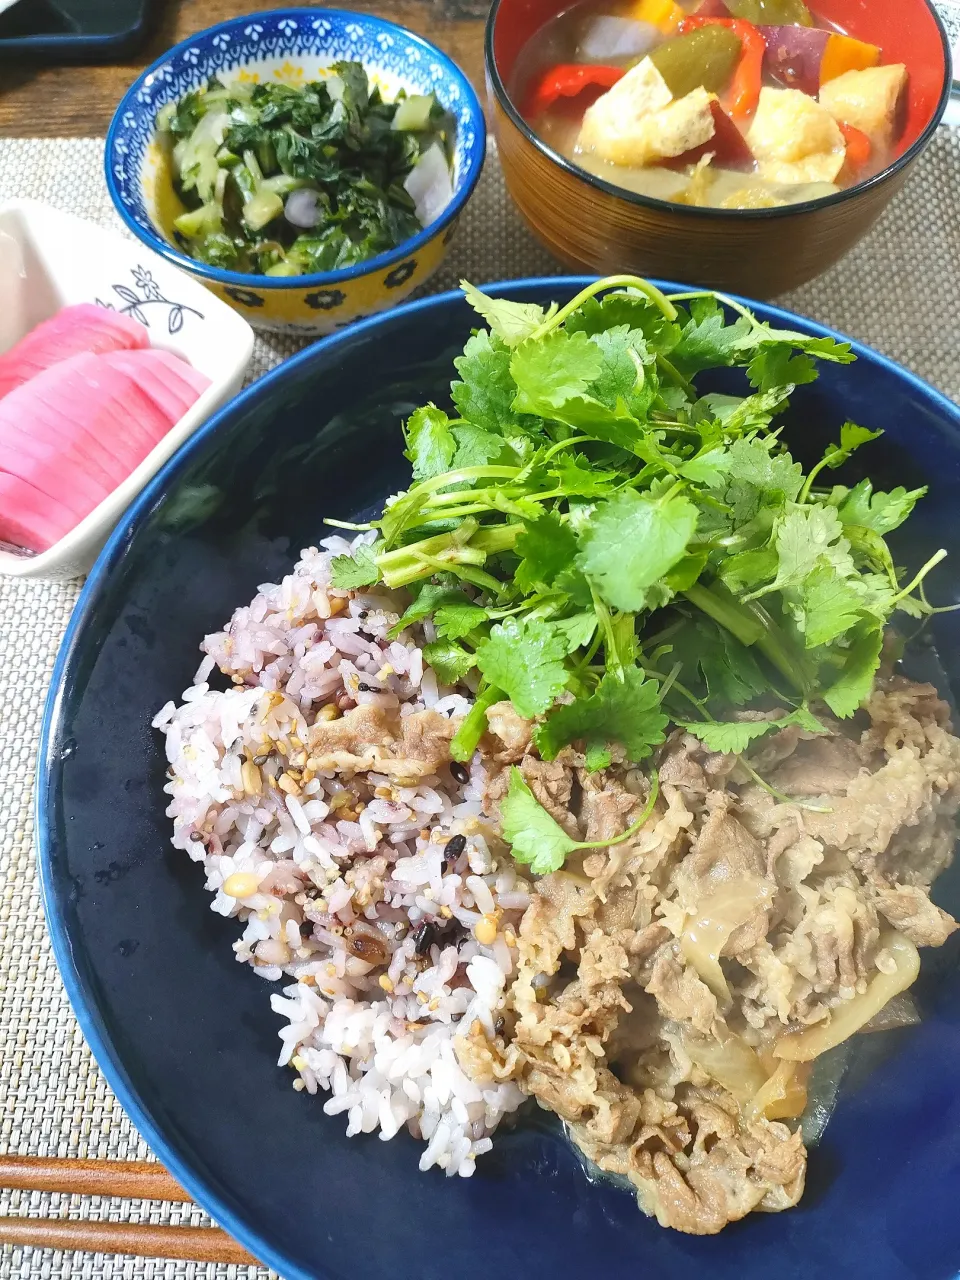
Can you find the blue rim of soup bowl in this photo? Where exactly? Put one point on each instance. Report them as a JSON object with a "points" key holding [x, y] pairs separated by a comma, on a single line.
{"points": [[131, 104], [505, 101], [84, 1006]]}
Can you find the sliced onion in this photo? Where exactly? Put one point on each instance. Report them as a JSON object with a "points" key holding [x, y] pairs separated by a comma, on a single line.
{"points": [[429, 185], [717, 915], [783, 1096], [731, 1062], [847, 1019], [607, 38], [302, 208]]}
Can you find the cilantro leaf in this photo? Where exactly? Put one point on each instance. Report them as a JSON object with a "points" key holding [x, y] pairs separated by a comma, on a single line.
{"points": [[547, 546], [430, 444], [358, 570], [830, 606], [631, 541], [735, 736], [707, 468], [450, 661], [578, 479], [804, 536], [707, 341], [848, 693], [474, 446], [851, 438], [536, 839], [624, 376], [881, 512], [454, 621], [625, 711], [487, 392], [634, 310], [429, 599], [524, 658], [588, 416], [757, 476], [511, 321], [776, 366], [552, 370], [578, 630]]}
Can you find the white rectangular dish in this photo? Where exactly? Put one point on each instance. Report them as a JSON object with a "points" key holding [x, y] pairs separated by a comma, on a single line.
{"points": [[50, 259]]}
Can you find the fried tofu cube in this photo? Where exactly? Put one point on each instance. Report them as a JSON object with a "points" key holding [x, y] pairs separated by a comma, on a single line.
{"points": [[795, 139], [638, 123], [868, 100]]}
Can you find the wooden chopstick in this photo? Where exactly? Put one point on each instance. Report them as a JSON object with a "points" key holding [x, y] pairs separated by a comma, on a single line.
{"points": [[129, 1179], [194, 1244]]}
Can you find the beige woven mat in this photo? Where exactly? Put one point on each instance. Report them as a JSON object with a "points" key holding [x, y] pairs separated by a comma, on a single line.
{"points": [[899, 292]]}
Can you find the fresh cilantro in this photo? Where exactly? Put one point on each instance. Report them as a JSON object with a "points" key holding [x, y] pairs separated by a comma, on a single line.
{"points": [[450, 661], [486, 393], [524, 658], [850, 691], [777, 366], [510, 321], [473, 446], [830, 605], [881, 512], [429, 598], [430, 444], [454, 621], [805, 536], [577, 479], [358, 570], [623, 711], [536, 840], [707, 341], [546, 546], [633, 310], [631, 542], [553, 370], [578, 630], [734, 737]]}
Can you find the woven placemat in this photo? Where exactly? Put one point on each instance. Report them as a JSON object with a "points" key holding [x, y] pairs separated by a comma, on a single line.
{"points": [[898, 291]]}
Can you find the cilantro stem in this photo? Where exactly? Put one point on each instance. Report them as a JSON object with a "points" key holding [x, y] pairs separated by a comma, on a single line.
{"points": [[640, 822], [752, 625], [919, 577], [780, 795], [660, 301], [471, 729], [347, 524], [676, 377], [565, 444]]}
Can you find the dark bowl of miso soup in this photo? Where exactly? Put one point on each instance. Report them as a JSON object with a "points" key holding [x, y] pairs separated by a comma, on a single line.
{"points": [[739, 144]]}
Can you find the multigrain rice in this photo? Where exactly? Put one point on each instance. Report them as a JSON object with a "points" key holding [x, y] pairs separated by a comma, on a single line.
{"points": [[347, 886]]}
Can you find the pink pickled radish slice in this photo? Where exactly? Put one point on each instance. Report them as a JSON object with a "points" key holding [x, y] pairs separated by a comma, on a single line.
{"points": [[172, 384], [72, 330], [29, 518]]}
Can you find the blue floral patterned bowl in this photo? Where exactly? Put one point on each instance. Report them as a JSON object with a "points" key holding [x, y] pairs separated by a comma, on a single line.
{"points": [[294, 46]]}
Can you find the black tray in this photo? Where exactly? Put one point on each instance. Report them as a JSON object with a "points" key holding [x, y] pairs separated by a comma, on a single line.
{"points": [[73, 28]]}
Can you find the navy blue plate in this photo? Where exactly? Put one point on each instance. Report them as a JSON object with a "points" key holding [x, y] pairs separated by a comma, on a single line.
{"points": [[186, 1036]]}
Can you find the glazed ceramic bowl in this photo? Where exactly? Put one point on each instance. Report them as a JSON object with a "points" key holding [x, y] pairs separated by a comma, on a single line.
{"points": [[587, 222], [294, 46], [50, 259], [186, 1036]]}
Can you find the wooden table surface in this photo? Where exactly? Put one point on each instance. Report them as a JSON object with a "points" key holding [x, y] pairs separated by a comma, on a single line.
{"points": [[38, 100]]}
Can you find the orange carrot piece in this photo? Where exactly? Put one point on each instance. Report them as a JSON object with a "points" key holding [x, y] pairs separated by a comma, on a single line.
{"points": [[843, 53]]}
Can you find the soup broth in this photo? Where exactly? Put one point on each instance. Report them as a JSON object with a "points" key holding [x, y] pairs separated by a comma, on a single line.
{"points": [[698, 104]]}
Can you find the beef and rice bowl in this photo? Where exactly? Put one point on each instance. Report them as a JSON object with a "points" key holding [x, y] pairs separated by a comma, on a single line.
{"points": [[586, 774]]}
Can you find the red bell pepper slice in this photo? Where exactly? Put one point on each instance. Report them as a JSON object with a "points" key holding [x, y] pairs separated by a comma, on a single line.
{"points": [[570, 80], [859, 149], [728, 145], [744, 92]]}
